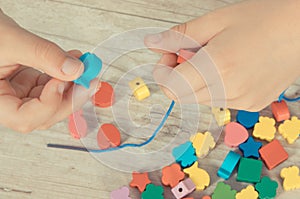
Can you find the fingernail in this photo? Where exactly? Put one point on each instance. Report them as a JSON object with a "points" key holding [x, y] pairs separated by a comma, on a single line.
{"points": [[72, 66], [61, 88], [154, 38]]}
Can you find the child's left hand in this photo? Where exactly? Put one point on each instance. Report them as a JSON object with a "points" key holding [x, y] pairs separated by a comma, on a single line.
{"points": [[30, 99]]}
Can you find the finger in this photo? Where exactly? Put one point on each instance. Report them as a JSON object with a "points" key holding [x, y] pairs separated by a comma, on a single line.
{"points": [[6, 71], [68, 86], [192, 34], [24, 80], [162, 70], [6, 88], [25, 117], [168, 59], [36, 91], [45, 55], [75, 53], [183, 80], [199, 74], [73, 100], [205, 97], [43, 79]]}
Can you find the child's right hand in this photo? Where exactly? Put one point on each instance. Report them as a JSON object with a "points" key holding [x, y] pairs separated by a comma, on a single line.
{"points": [[30, 99], [254, 44]]}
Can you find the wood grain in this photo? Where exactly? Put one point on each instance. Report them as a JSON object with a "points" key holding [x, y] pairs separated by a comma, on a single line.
{"points": [[28, 169]]}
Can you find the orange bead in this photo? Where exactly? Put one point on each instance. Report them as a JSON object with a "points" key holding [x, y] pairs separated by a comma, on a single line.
{"points": [[280, 111], [108, 136], [104, 97], [273, 154], [77, 125], [140, 180], [172, 175]]}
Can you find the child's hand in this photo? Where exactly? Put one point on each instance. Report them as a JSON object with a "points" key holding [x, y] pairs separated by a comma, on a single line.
{"points": [[254, 44], [30, 99]]}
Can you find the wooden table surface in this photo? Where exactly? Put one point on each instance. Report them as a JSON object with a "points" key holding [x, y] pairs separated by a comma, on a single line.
{"points": [[28, 169]]}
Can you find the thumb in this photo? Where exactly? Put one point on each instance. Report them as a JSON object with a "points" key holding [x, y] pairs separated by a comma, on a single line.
{"points": [[190, 35], [45, 55]]}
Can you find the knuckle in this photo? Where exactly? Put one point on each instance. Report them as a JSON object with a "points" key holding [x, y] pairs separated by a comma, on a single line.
{"points": [[43, 49], [181, 28]]}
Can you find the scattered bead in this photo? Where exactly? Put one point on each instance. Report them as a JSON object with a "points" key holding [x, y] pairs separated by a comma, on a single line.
{"points": [[203, 143], [291, 178], [184, 154], [104, 97], [172, 175], [273, 154], [290, 129], [108, 136], [139, 88], [140, 180], [250, 148], [265, 129], [266, 188], [249, 170], [247, 119], [222, 116], [152, 191], [77, 125], [183, 188], [122, 193], [228, 165], [199, 176], [235, 134], [247, 193], [223, 191], [280, 111]]}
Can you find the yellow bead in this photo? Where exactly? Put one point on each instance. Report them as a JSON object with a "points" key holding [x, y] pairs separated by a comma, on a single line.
{"points": [[247, 193], [203, 142], [291, 178], [265, 129], [199, 176], [290, 129], [139, 88], [222, 116]]}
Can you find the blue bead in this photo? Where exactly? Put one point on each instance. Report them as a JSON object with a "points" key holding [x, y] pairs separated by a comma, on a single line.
{"points": [[250, 148], [92, 67], [184, 154], [228, 165], [247, 119]]}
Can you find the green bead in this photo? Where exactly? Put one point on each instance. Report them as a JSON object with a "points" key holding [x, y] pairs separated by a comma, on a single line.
{"points": [[152, 191], [223, 191], [266, 188], [249, 170]]}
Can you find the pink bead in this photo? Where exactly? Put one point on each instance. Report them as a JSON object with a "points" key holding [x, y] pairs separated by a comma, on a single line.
{"points": [[235, 134], [183, 188], [122, 193], [77, 125]]}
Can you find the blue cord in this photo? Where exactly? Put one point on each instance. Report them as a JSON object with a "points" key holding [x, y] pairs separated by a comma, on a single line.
{"points": [[163, 121], [283, 97]]}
